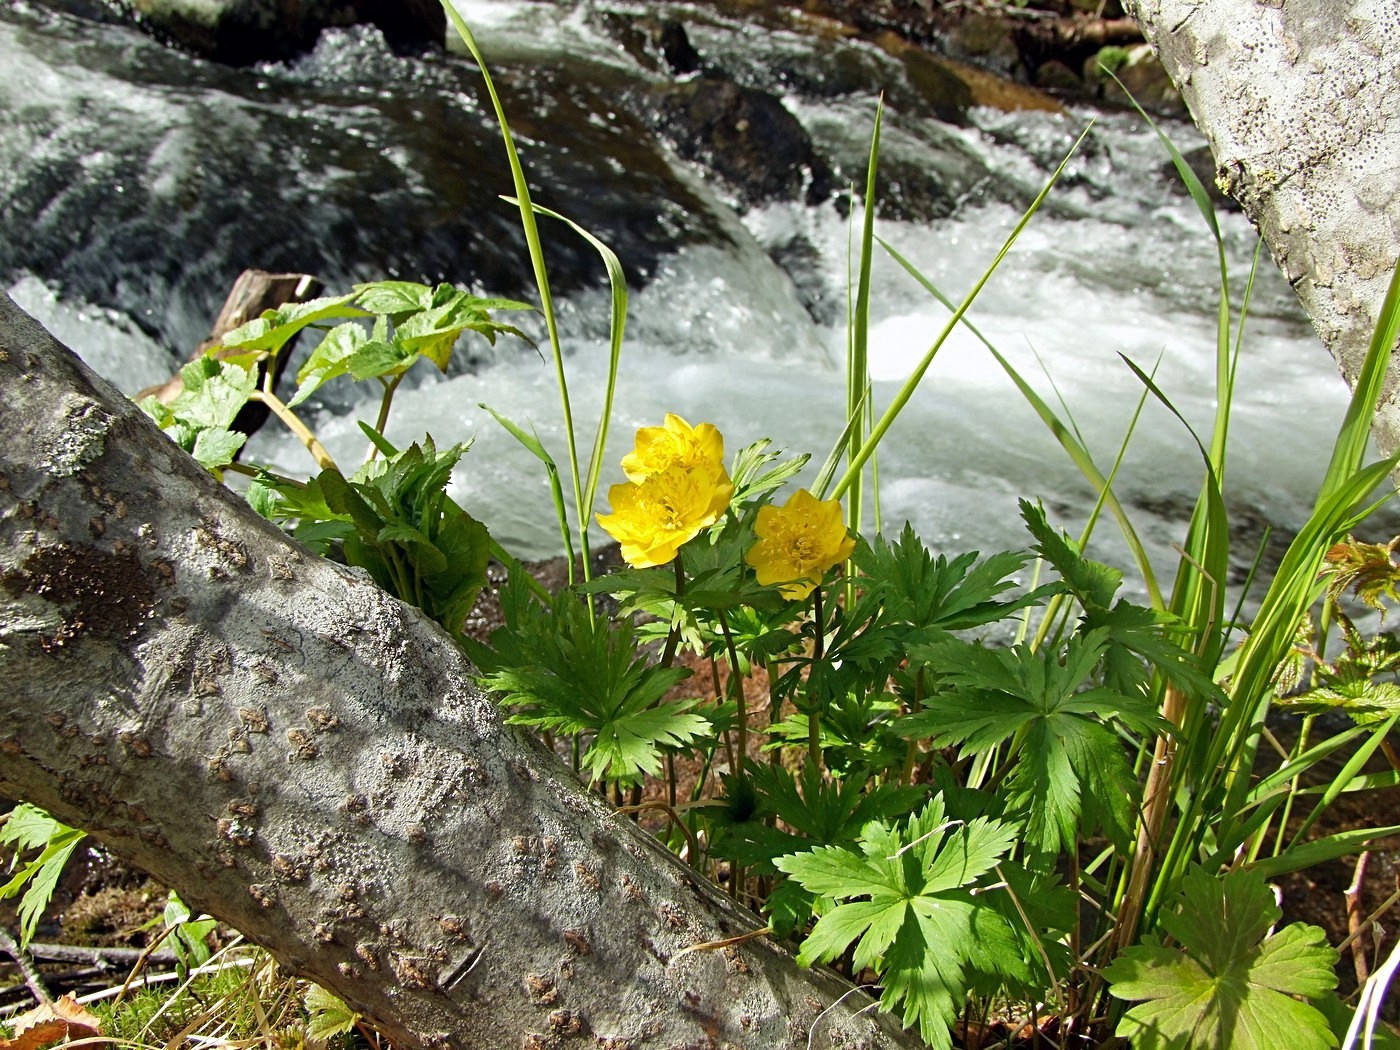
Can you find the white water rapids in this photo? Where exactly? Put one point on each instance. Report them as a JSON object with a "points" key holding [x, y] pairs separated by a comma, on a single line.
{"points": [[1120, 263]]}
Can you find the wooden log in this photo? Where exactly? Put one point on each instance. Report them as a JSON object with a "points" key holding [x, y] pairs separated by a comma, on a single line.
{"points": [[308, 759]]}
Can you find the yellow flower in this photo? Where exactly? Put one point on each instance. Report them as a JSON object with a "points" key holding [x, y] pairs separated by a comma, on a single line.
{"points": [[674, 443], [798, 542], [651, 519]]}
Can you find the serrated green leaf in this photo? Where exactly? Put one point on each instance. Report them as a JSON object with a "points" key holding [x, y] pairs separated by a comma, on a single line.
{"points": [[31, 828], [329, 360], [214, 393], [558, 668], [834, 871], [379, 357], [394, 297], [275, 328], [326, 1015], [1230, 983], [216, 448], [1093, 583], [922, 927]]}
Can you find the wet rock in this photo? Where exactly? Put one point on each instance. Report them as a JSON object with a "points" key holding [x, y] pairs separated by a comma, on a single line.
{"points": [[743, 135], [986, 41], [1118, 75], [241, 32], [660, 45], [1054, 75]]}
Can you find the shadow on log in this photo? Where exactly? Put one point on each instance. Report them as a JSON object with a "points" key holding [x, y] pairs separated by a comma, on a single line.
{"points": [[308, 759]]}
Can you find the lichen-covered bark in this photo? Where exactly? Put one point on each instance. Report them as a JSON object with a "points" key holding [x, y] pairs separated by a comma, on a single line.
{"points": [[307, 759], [1300, 100]]}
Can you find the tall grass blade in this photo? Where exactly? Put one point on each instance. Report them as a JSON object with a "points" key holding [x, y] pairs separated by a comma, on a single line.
{"points": [[1065, 434], [536, 250], [531, 441], [617, 324], [902, 397], [1361, 410], [858, 341]]}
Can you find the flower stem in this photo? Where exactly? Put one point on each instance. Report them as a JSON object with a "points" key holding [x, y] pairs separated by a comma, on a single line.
{"points": [[912, 752], [673, 639], [814, 734], [736, 690]]}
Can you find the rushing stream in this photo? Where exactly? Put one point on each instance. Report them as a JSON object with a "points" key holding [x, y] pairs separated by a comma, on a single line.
{"points": [[136, 182]]}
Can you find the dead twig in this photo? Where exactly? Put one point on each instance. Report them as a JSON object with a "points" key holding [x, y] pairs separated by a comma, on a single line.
{"points": [[25, 962], [1355, 917]]}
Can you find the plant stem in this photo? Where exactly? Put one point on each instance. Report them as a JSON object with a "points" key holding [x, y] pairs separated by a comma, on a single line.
{"points": [[668, 655], [736, 690], [911, 753], [385, 402], [294, 424], [1157, 796], [814, 734]]}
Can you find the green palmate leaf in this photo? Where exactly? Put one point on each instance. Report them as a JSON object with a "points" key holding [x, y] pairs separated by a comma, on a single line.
{"points": [[1092, 583], [924, 591], [1231, 983], [561, 670], [1070, 773], [811, 811], [273, 329], [30, 828], [921, 926]]}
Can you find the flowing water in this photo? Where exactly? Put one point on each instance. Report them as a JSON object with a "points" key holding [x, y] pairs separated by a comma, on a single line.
{"points": [[136, 182]]}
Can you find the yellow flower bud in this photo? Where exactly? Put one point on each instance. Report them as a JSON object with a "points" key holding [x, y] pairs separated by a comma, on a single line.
{"points": [[798, 542]]}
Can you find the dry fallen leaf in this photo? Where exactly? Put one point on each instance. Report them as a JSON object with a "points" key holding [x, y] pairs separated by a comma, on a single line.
{"points": [[51, 1023]]}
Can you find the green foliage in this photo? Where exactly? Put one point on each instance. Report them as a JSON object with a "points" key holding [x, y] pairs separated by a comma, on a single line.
{"points": [[393, 517], [1230, 983], [30, 828], [426, 322], [1069, 772], [919, 924], [1108, 725], [189, 936], [326, 1015], [199, 418], [559, 669]]}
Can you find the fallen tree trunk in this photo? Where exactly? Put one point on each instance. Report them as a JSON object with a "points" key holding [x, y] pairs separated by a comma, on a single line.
{"points": [[1300, 104], [307, 759]]}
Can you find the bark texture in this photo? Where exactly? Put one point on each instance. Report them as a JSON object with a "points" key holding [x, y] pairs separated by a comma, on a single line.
{"points": [[306, 758], [1300, 100]]}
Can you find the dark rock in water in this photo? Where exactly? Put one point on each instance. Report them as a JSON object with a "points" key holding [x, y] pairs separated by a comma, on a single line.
{"points": [[660, 45], [987, 41], [1054, 75], [675, 46], [745, 136], [241, 32]]}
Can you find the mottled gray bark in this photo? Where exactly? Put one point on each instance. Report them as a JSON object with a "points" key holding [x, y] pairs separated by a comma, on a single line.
{"points": [[1300, 100], [307, 759]]}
